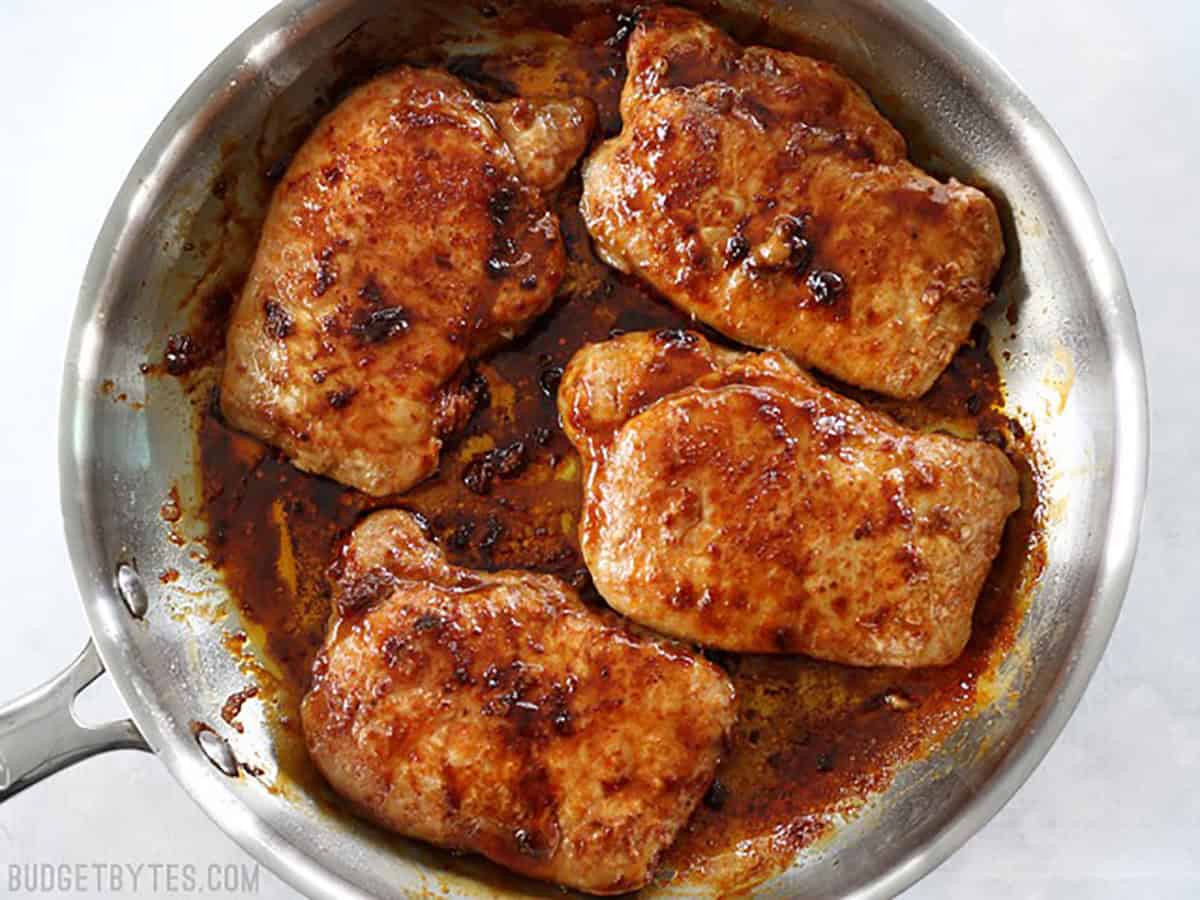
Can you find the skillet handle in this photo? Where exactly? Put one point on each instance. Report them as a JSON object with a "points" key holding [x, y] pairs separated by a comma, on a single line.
{"points": [[39, 733]]}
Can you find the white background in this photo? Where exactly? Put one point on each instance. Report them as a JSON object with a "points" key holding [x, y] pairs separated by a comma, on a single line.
{"points": [[1114, 811]]}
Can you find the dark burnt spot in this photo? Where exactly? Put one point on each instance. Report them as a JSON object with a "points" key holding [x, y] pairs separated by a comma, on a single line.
{"points": [[676, 338], [206, 338], [428, 622], [492, 532], [460, 537], [974, 405], [825, 761], [826, 287], [182, 354], [535, 714], [341, 399], [478, 475], [488, 11], [863, 530], [207, 335], [736, 248], [331, 174], [626, 22], [220, 187], [511, 459], [1017, 429], [549, 380], [326, 276], [529, 282], [500, 204], [476, 389], [502, 258], [319, 376], [514, 683], [504, 462], [276, 320], [784, 639], [541, 436], [717, 796], [493, 676], [364, 591], [374, 326], [557, 703]]}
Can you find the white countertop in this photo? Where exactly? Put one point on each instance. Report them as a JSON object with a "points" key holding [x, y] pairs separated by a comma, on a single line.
{"points": [[1114, 811]]}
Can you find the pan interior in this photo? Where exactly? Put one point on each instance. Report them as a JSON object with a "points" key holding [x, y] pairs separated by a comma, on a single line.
{"points": [[181, 236]]}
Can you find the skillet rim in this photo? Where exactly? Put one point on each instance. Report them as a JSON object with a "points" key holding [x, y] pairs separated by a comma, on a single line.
{"points": [[261, 43]]}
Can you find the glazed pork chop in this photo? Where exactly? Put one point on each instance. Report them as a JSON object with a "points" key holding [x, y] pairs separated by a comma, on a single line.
{"points": [[732, 501], [408, 235], [496, 713], [762, 193]]}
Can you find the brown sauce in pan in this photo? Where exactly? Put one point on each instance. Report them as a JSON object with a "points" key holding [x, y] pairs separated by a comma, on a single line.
{"points": [[812, 738]]}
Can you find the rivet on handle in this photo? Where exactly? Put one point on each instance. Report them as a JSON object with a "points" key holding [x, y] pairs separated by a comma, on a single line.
{"points": [[132, 590], [216, 748]]}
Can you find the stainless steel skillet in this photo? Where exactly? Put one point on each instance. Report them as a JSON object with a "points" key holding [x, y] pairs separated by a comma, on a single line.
{"points": [[1072, 365]]}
